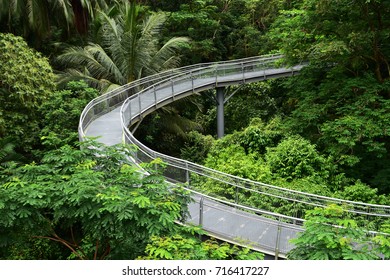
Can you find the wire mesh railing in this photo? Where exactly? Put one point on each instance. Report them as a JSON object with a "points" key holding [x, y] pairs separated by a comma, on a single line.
{"points": [[114, 99], [281, 206], [210, 76], [244, 225]]}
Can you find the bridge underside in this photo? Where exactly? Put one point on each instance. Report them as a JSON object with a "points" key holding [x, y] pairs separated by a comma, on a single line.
{"points": [[264, 231]]}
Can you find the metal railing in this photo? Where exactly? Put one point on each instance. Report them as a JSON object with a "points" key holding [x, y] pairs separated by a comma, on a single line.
{"points": [[143, 96], [264, 231], [114, 99], [168, 90]]}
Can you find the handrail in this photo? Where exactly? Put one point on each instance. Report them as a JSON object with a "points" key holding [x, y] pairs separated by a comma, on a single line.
{"points": [[85, 120], [145, 95]]}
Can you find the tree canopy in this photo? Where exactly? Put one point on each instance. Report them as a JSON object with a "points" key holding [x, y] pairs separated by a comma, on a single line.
{"points": [[324, 131], [126, 47], [89, 200], [331, 235], [26, 81]]}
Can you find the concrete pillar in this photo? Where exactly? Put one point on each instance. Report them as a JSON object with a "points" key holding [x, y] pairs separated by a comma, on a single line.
{"points": [[220, 112]]}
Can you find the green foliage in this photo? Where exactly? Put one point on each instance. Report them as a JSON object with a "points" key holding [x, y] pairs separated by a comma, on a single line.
{"points": [[263, 153], [331, 235], [33, 249], [35, 20], [339, 106], [185, 246], [199, 21], [126, 46], [234, 160], [363, 120], [336, 32], [256, 137], [61, 114], [361, 192], [382, 241], [220, 30], [196, 147], [295, 158], [256, 100], [8, 155], [26, 81], [25, 74], [346, 117], [90, 201], [341, 101], [251, 101], [227, 156]]}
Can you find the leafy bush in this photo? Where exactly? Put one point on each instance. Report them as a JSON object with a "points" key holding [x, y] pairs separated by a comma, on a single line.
{"points": [[89, 200], [331, 235], [257, 136], [196, 147], [186, 246], [61, 114], [26, 81], [295, 157]]}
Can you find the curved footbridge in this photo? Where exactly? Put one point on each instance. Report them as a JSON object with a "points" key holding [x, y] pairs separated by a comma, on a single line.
{"points": [[111, 115]]}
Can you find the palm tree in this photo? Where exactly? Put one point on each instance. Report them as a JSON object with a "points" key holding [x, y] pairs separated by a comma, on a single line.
{"points": [[26, 16], [126, 48], [34, 18], [8, 153]]}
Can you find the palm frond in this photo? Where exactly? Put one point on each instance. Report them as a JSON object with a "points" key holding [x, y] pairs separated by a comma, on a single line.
{"points": [[109, 69], [8, 153], [153, 24], [140, 55], [128, 48], [76, 56], [167, 56], [95, 59], [37, 16], [172, 122], [65, 8], [103, 85], [110, 24], [129, 17]]}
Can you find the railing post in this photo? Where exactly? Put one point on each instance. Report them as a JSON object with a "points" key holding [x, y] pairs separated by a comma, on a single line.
{"points": [[187, 175], [277, 245], [216, 75], [173, 92], [243, 71], [236, 199], [201, 211], [155, 97], [136, 154], [192, 81], [155, 164], [139, 105]]}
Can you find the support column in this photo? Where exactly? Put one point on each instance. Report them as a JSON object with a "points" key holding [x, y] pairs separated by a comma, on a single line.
{"points": [[220, 112]]}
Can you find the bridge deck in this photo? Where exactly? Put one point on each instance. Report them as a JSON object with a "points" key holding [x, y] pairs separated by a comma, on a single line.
{"points": [[109, 116], [220, 220]]}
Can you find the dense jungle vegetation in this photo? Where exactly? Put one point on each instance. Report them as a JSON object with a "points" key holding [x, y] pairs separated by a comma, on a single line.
{"points": [[324, 131]]}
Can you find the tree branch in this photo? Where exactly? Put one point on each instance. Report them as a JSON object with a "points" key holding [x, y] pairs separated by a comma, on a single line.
{"points": [[96, 250], [62, 241]]}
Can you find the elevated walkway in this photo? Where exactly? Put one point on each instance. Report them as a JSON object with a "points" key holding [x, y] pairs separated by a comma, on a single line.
{"points": [[110, 116]]}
